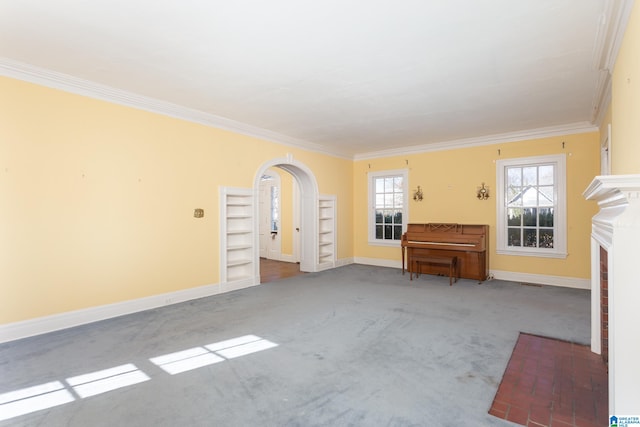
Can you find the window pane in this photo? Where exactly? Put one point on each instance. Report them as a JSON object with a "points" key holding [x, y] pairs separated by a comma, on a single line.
{"points": [[379, 185], [388, 185], [514, 196], [546, 217], [530, 237], [397, 232], [514, 216], [378, 232], [546, 196], [397, 217], [530, 176], [398, 199], [514, 236], [546, 238], [275, 208], [545, 175], [379, 200], [378, 217], [388, 200], [388, 217], [530, 196], [388, 232], [514, 176], [397, 181], [530, 217]]}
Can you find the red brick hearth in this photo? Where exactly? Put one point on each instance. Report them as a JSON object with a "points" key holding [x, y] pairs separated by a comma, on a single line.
{"points": [[553, 383]]}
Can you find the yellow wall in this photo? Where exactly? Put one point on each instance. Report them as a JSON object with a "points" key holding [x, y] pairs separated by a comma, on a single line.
{"points": [[286, 212], [450, 179], [97, 199], [625, 101]]}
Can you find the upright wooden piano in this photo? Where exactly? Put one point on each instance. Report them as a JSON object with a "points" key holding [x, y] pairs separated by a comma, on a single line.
{"points": [[469, 243]]}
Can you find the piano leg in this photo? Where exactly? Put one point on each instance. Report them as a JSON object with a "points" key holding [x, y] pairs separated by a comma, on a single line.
{"points": [[402, 249]]}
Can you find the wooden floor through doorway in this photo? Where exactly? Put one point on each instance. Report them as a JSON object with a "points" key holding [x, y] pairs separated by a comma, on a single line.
{"points": [[271, 270]]}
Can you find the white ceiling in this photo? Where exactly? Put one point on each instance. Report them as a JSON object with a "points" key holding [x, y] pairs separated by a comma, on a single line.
{"points": [[350, 76]]}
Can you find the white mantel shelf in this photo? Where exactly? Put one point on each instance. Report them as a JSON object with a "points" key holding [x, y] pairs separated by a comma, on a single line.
{"points": [[605, 187], [616, 228]]}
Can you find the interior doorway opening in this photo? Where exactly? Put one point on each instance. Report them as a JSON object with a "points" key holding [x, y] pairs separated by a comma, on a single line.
{"points": [[279, 225], [306, 204], [273, 207]]}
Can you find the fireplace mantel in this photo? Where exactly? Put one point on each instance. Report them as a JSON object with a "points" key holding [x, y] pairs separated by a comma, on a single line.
{"points": [[613, 193], [616, 228]]}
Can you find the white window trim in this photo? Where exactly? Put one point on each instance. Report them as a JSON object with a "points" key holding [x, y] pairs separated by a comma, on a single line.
{"points": [[372, 206], [560, 219]]}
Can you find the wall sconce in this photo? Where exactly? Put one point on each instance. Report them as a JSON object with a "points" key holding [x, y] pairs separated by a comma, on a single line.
{"points": [[483, 192], [417, 195]]}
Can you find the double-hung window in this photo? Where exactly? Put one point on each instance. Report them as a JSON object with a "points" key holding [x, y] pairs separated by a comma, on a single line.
{"points": [[275, 209], [387, 206], [531, 206]]}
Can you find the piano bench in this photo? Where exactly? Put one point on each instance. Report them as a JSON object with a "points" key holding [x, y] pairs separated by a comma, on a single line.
{"points": [[451, 262]]}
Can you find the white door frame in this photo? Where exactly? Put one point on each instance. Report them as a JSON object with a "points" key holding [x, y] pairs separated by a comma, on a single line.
{"points": [[296, 221], [308, 208]]}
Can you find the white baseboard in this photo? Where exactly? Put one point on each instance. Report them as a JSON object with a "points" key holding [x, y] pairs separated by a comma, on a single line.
{"points": [[42, 325], [344, 261], [239, 284], [541, 279], [286, 258], [334, 264], [325, 266], [378, 262]]}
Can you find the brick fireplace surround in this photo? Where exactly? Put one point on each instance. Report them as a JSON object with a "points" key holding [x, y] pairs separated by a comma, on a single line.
{"points": [[604, 304], [615, 286]]}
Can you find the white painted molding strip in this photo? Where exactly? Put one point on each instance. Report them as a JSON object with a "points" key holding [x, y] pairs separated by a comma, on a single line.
{"points": [[567, 129], [542, 279], [42, 325], [539, 279]]}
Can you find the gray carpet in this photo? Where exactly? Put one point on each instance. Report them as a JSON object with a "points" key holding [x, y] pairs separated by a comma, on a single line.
{"points": [[357, 346]]}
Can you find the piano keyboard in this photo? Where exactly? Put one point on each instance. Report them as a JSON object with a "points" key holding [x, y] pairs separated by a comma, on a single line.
{"points": [[417, 242]]}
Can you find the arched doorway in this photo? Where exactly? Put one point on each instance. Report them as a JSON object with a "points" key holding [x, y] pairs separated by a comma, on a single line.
{"points": [[308, 208]]}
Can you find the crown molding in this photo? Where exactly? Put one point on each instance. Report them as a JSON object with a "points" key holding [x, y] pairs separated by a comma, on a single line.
{"points": [[611, 29], [30, 73], [609, 37], [601, 98], [546, 132]]}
